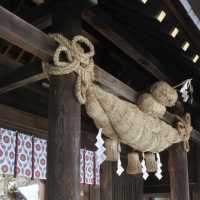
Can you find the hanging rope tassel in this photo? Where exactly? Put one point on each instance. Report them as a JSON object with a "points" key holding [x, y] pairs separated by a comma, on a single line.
{"points": [[150, 161], [111, 152], [134, 166]]}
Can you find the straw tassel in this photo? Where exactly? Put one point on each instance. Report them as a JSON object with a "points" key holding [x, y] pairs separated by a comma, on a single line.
{"points": [[111, 152], [134, 165], [150, 162]]}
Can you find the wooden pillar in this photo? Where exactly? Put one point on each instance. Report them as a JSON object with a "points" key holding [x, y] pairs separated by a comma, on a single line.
{"points": [[139, 187], [106, 181], [64, 115], [196, 192], [64, 140], [94, 192], [178, 172]]}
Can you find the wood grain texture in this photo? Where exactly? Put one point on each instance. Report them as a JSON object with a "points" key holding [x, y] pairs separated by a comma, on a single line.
{"points": [[106, 185], [63, 140], [22, 121], [102, 23], [64, 116], [24, 82], [24, 35], [178, 171]]}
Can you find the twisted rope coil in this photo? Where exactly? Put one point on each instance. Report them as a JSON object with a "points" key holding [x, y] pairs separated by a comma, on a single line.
{"points": [[76, 60], [80, 61]]}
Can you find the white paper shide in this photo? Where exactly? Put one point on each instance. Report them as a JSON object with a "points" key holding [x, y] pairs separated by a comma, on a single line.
{"points": [[100, 155]]}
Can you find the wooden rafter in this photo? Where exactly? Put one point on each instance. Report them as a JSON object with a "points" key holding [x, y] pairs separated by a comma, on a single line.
{"points": [[97, 18], [29, 38], [23, 121], [185, 21]]}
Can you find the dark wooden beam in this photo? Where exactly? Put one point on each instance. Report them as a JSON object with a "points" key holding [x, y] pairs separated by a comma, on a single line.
{"points": [[106, 185], [32, 79], [197, 163], [63, 140], [178, 172], [7, 63], [24, 35], [184, 20], [102, 23], [43, 22], [64, 115], [28, 37], [22, 75], [22, 121]]}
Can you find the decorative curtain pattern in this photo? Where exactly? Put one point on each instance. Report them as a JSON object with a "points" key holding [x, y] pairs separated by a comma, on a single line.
{"points": [[40, 158], [89, 171], [7, 151], [26, 156]]}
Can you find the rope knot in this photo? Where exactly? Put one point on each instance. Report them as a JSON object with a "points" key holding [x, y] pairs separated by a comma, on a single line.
{"points": [[78, 57], [185, 128], [79, 51]]}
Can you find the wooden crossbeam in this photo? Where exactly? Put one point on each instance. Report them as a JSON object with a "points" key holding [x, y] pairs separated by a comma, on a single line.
{"points": [[26, 36], [21, 75], [102, 23], [184, 20], [29, 38], [27, 81], [11, 117]]}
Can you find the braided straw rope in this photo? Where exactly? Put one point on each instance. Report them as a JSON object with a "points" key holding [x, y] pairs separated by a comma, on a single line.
{"points": [[77, 60], [118, 118]]}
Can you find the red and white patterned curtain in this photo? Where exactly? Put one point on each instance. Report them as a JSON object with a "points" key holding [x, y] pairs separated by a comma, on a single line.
{"points": [[24, 155]]}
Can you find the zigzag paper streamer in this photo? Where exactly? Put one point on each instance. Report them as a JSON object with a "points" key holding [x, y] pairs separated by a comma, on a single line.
{"points": [[145, 174], [120, 169], [186, 90], [101, 157]]}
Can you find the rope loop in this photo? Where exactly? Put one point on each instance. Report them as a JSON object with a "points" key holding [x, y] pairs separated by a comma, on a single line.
{"points": [[76, 59], [81, 55]]}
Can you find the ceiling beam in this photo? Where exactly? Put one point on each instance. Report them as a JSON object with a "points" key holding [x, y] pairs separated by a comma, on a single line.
{"points": [[184, 20], [22, 34], [22, 121], [27, 81], [20, 75], [26, 36], [102, 23]]}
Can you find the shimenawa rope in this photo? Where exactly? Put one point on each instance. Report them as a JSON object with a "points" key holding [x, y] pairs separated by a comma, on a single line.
{"points": [[77, 60], [81, 62]]}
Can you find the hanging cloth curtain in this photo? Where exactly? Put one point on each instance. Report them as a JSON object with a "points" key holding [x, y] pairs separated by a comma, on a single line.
{"points": [[26, 156]]}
